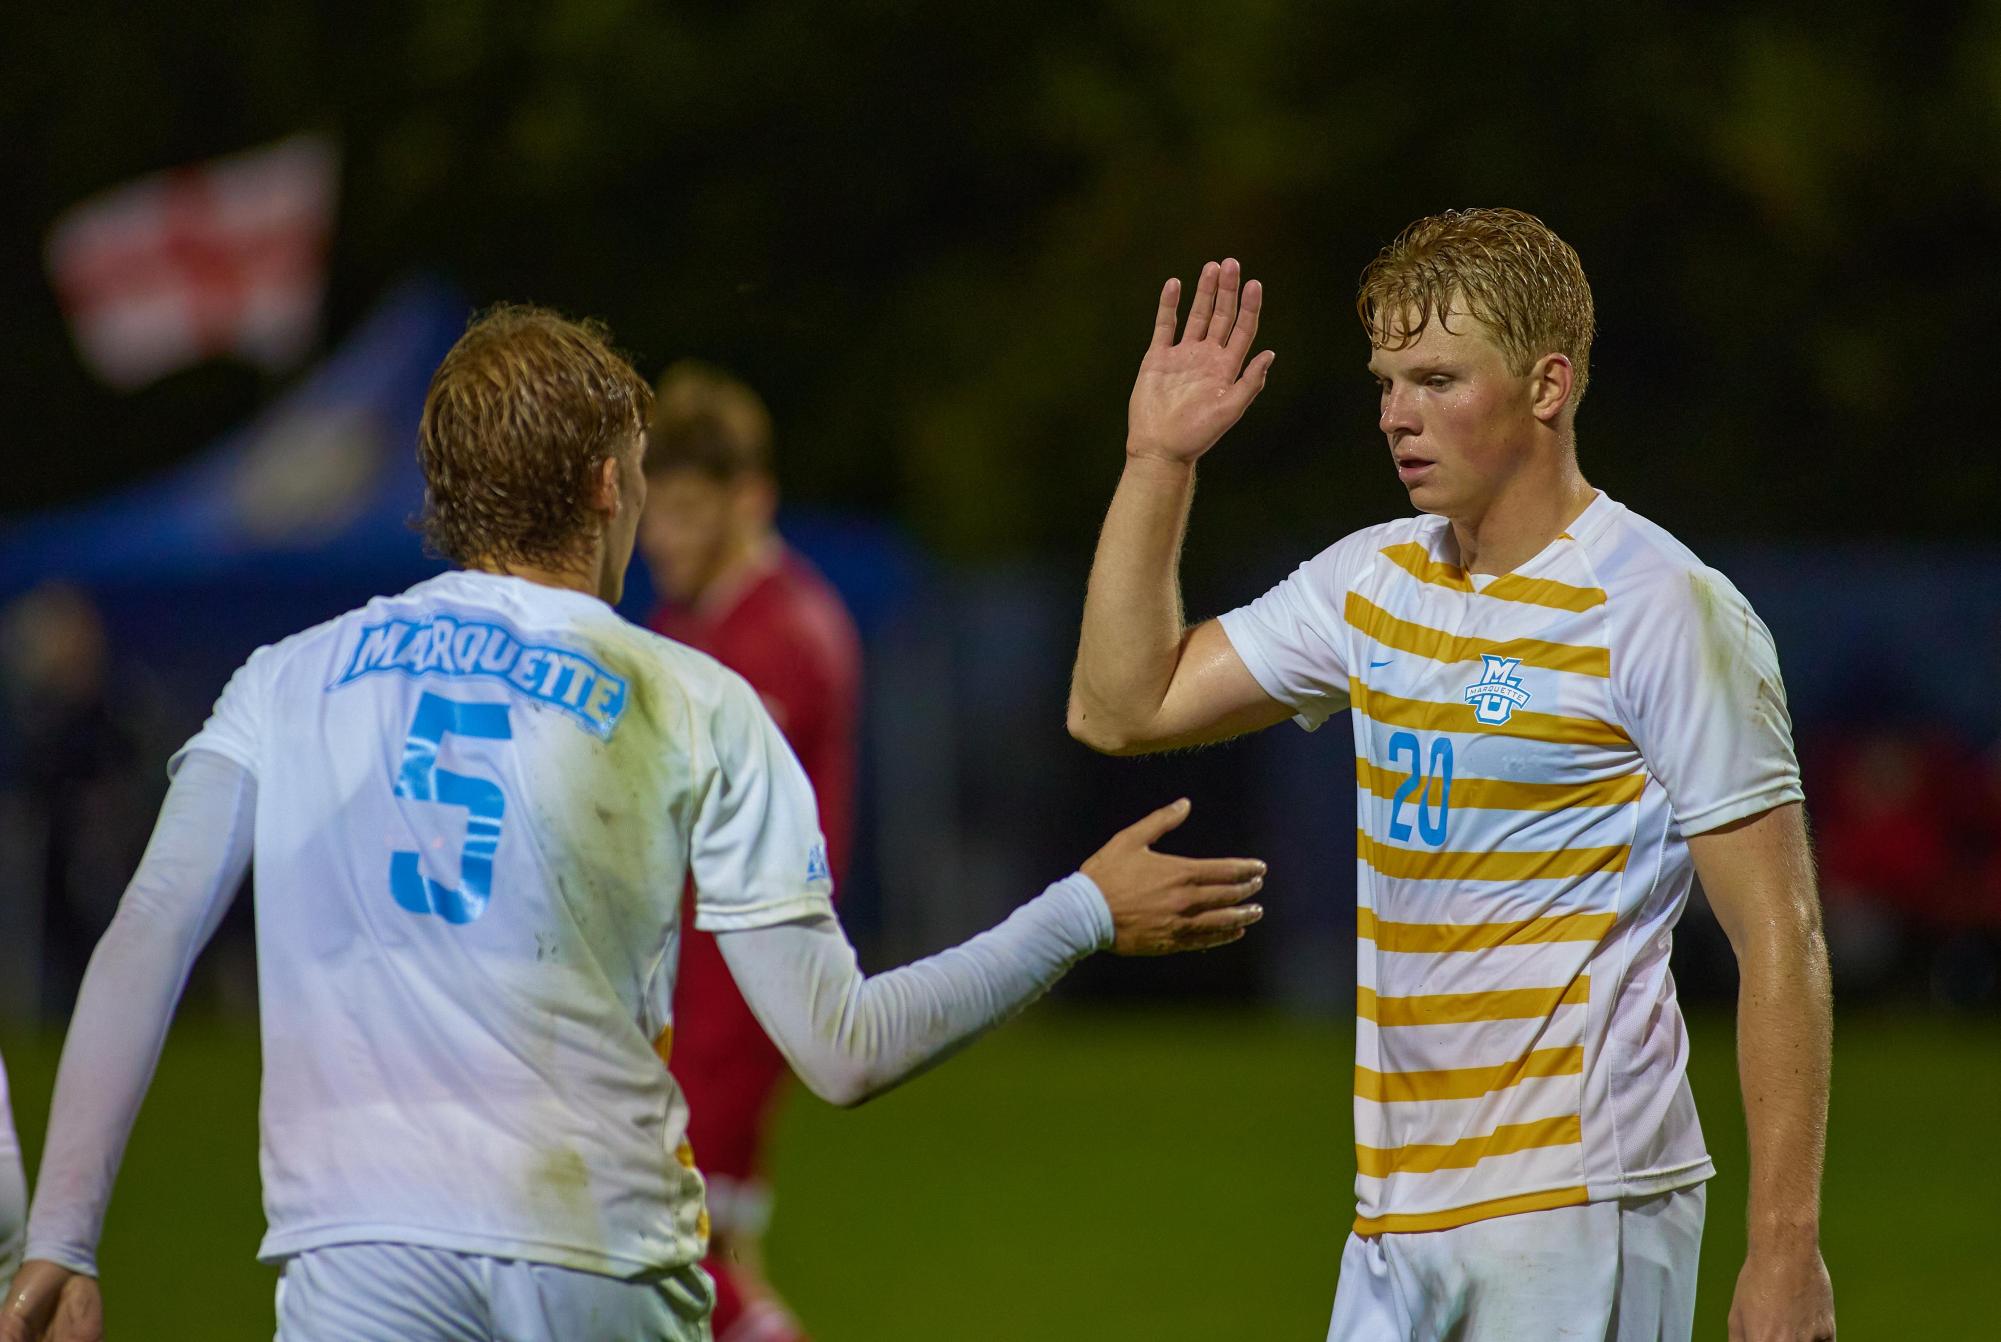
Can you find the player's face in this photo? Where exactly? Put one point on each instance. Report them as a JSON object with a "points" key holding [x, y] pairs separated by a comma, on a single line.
{"points": [[1459, 421], [687, 531]]}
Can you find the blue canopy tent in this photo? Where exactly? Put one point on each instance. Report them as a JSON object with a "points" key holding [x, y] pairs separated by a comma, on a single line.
{"points": [[306, 511], [283, 522]]}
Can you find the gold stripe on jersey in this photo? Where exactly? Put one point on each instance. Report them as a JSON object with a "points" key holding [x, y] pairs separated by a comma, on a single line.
{"points": [[1499, 794], [1446, 938], [1418, 1222], [1415, 560], [1380, 1162], [1463, 1008], [1439, 646], [1466, 1083], [1413, 864], [1426, 716]]}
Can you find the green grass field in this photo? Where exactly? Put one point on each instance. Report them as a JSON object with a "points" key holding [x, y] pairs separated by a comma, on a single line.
{"points": [[1098, 1175]]}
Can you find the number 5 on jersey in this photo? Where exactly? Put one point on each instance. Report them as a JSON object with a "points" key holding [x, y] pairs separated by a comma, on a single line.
{"points": [[1432, 785], [420, 779]]}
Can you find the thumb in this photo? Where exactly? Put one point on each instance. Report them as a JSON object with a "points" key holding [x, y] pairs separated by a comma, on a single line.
{"points": [[1148, 829], [1255, 374]]}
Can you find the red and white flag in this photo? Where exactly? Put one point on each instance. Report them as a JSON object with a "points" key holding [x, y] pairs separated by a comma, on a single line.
{"points": [[222, 257]]}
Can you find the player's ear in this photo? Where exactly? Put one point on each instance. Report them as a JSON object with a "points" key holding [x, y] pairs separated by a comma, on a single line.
{"points": [[1550, 381], [604, 490]]}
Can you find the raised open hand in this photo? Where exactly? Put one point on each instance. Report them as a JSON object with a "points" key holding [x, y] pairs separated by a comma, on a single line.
{"points": [[1190, 391], [1162, 904]]}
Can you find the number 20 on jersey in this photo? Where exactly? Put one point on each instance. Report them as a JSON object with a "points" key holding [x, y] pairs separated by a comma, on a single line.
{"points": [[1422, 801]]}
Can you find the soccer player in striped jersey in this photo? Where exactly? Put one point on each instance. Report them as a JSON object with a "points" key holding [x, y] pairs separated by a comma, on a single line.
{"points": [[1561, 717], [474, 806]]}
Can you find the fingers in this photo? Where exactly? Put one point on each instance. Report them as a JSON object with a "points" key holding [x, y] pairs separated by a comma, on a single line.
{"points": [[1204, 306], [1163, 317], [1245, 331], [1218, 870], [1209, 898], [1228, 283], [1147, 829], [1218, 927]]}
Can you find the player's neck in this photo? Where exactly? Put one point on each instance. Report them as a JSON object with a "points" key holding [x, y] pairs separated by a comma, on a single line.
{"points": [[748, 559], [1520, 524], [581, 577]]}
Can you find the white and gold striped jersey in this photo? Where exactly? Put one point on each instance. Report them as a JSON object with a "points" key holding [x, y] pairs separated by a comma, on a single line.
{"points": [[1533, 750]]}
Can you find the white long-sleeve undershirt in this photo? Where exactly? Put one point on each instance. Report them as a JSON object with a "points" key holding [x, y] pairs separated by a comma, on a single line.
{"points": [[847, 1035], [192, 868]]}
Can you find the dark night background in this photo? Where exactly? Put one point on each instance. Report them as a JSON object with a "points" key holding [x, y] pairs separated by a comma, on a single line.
{"points": [[932, 233]]}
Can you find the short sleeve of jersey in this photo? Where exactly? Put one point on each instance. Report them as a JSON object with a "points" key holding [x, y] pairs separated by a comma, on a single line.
{"points": [[758, 857], [1698, 674], [236, 724], [1293, 638]]}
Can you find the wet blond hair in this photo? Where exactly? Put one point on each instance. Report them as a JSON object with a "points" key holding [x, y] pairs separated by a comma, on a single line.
{"points": [[520, 416], [1505, 268]]}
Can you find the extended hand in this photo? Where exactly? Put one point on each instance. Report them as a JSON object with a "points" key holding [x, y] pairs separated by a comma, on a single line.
{"points": [[1783, 1296], [1162, 904], [50, 1303], [1191, 391]]}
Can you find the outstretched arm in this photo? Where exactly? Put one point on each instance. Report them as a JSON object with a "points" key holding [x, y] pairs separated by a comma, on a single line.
{"points": [[1758, 874], [199, 852], [1143, 680], [850, 1037]]}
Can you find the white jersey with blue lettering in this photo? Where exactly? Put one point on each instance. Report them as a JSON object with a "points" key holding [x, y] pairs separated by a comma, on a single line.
{"points": [[1534, 750], [478, 804]]}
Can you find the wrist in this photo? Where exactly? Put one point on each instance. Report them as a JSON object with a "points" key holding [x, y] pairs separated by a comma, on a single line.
{"points": [[1094, 910], [1784, 1235], [1147, 459]]}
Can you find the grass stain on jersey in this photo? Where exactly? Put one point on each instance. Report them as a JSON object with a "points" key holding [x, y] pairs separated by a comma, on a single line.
{"points": [[1712, 615], [616, 814]]}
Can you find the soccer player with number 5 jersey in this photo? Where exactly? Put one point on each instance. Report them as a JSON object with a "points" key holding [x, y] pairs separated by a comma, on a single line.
{"points": [[1561, 718], [474, 807]]}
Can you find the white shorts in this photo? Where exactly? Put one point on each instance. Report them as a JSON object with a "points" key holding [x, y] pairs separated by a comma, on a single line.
{"points": [[1621, 1271], [409, 1293], [13, 1191]]}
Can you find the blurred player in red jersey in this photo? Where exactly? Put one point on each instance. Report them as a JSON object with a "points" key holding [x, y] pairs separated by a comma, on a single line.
{"points": [[731, 588]]}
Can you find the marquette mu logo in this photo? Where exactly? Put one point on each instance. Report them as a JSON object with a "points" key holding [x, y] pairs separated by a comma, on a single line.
{"points": [[1498, 692]]}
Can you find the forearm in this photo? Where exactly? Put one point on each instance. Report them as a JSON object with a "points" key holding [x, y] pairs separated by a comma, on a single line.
{"points": [[1133, 627], [197, 857], [1784, 1047], [850, 1037]]}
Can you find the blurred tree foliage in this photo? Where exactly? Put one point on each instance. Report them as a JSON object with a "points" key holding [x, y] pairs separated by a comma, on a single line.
{"points": [[933, 232]]}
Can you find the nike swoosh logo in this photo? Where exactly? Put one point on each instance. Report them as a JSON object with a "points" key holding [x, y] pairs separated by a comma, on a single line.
{"points": [[1377, 666]]}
